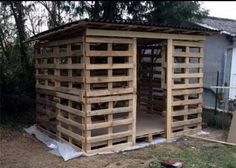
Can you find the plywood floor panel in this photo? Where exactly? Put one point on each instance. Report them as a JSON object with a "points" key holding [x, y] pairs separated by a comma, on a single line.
{"points": [[149, 124]]}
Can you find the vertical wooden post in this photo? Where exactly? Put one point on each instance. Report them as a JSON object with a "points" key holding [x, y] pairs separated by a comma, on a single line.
{"points": [[110, 104], [57, 85], [169, 90], [86, 133], [135, 88]]}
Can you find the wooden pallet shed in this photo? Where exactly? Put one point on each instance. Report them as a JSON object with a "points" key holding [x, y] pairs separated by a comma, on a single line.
{"points": [[103, 84]]}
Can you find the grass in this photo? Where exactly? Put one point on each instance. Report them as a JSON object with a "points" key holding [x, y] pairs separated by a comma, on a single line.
{"points": [[199, 155]]}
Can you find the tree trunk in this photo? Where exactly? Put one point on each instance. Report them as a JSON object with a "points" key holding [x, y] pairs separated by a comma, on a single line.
{"points": [[3, 45], [52, 13], [95, 14], [109, 9], [18, 13]]}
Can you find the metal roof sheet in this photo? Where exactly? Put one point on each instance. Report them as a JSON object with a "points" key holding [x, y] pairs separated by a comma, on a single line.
{"points": [[227, 26]]}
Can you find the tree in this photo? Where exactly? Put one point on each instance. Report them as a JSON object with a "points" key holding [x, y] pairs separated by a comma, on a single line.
{"points": [[137, 10], [174, 11], [94, 9], [17, 11], [60, 12], [54, 12], [17, 73], [149, 11]]}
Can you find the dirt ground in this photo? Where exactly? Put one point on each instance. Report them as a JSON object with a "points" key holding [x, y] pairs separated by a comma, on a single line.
{"points": [[20, 150], [217, 134]]}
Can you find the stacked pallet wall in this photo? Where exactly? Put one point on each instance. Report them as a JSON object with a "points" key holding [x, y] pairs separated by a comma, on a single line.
{"points": [[187, 76], [59, 85], [110, 83]]}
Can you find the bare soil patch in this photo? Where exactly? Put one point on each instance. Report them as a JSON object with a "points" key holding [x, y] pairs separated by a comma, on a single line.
{"points": [[20, 150]]}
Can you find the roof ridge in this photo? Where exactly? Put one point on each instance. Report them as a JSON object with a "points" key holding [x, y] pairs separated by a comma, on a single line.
{"points": [[220, 18]]}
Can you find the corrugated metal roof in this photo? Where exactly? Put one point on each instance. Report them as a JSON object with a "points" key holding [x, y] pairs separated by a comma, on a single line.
{"points": [[182, 26], [227, 26]]}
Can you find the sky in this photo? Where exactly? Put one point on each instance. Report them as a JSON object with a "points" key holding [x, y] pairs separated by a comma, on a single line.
{"points": [[223, 9]]}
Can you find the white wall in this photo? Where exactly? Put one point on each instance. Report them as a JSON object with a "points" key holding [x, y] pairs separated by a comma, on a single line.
{"points": [[232, 92]]}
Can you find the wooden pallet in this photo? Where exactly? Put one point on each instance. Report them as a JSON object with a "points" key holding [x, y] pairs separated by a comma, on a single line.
{"points": [[110, 92], [87, 93], [59, 86], [186, 105]]}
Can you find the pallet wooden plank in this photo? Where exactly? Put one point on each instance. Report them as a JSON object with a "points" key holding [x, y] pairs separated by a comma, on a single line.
{"points": [[189, 65], [60, 66], [93, 93], [70, 133], [139, 34], [188, 75], [105, 53], [110, 79], [187, 122], [187, 86], [109, 124], [186, 102], [110, 111], [187, 91], [113, 148], [110, 98], [188, 43], [184, 54], [107, 66], [169, 89], [134, 103], [187, 112], [70, 122], [70, 110], [61, 42], [108, 40], [111, 136]]}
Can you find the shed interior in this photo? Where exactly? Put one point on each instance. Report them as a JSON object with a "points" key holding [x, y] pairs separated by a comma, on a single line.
{"points": [[151, 95]]}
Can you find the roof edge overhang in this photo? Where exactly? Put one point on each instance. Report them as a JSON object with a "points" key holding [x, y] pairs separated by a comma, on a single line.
{"points": [[123, 25]]}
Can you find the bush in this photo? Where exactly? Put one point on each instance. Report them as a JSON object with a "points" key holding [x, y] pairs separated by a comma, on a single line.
{"points": [[17, 89], [221, 120]]}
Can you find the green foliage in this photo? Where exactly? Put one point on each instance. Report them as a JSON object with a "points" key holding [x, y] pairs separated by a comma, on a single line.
{"points": [[175, 11], [221, 120], [17, 70], [150, 11], [17, 87]]}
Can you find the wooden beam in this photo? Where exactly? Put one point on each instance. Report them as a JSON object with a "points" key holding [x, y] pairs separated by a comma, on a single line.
{"points": [[61, 42], [169, 89], [44, 36], [135, 88], [211, 140], [108, 40], [138, 34], [187, 43]]}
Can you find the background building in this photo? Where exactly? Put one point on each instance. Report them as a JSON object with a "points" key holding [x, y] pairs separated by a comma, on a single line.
{"points": [[220, 55]]}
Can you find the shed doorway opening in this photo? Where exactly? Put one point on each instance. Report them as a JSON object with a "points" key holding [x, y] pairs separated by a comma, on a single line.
{"points": [[151, 90]]}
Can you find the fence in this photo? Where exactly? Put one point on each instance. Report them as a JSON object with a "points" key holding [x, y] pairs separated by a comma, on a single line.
{"points": [[219, 90]]}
